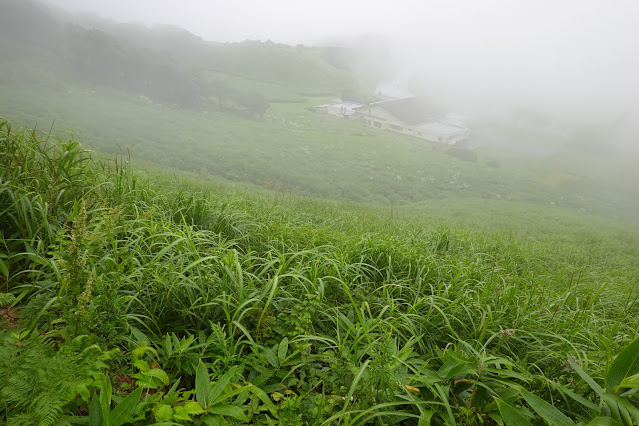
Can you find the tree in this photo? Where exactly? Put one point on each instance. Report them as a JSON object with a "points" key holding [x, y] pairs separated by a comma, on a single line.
{"points": [[255, 103]]}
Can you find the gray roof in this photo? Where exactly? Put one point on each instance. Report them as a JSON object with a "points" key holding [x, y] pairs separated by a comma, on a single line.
{"points": [[411, 111], [441, 128], [347, 105]]}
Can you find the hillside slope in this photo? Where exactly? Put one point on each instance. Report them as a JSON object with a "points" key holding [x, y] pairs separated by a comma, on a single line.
{"points": [[164, 63], [228, 305]]}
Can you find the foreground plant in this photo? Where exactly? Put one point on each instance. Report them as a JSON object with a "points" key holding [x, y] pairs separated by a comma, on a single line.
{"points": [[172, 304]]}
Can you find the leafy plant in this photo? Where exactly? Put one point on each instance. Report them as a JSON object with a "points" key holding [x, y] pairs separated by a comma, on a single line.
{"points": [[45, 380]]}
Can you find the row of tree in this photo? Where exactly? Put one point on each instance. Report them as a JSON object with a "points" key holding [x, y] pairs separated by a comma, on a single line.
{"points": [[95, 57]]}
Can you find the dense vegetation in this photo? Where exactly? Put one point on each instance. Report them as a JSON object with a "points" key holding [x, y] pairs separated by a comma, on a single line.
{"points": [[133, 299]]}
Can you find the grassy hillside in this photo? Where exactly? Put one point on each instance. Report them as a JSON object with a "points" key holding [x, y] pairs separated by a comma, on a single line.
{"points": [[166, 64], [294, 150], [176, 100], [142, 298]]}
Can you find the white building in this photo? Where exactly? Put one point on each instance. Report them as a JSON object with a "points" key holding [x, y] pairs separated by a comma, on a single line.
{"points": [[412, 116], [447, 134], [339, 108]]}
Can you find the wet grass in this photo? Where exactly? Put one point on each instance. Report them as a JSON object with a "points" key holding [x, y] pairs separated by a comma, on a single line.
{"points": [[227, 305]]}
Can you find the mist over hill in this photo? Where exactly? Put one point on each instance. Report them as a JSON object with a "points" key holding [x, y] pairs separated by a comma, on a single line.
{"points": [[240, 111], [166, 63]]}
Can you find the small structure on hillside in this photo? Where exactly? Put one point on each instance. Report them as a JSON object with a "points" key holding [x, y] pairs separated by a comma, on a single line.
{"points": [[339, 108], [445, 133], [402, 112], [412, 116]]}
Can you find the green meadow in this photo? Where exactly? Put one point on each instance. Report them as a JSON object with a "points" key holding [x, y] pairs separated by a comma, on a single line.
{"points": [[294, 150]]}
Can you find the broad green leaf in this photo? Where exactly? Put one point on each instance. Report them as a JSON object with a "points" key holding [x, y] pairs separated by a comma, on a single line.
{"points": [[143, 349], [424, 419], [202, 386], [193, 408], [628, 383], [179, 413], [168, 345], [262, 378], [270, 357], [141, 365], [504, 372], [163, 413], [508, 395], [139, 336], [625, 365], [122, 412], [452, 368], [426, 376], [184, 344], [546, 411], [95, 412], [510, 415], [211, 420], [264, 398], [622, 409], [105, 395], [228, 411], [443, 393], [4, 269], [159, 374], [283, 349], [218, 389]]}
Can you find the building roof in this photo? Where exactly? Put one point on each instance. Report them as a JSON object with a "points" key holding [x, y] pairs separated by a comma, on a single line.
{"points": [[347, 105], [441, 128], [409, 110], [341, 104]]}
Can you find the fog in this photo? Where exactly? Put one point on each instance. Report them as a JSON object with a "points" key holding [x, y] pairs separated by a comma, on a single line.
{"points": [[551, 84], [573, 57]]}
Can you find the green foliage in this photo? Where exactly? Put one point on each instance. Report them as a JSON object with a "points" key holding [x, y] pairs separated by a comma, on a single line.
{"points": [[463, 154], [44, 379], [236, 307], [620, 407], [625, 366]]}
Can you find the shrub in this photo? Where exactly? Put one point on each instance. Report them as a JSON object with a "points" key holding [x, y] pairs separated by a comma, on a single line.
{"points": [[463, 154]]}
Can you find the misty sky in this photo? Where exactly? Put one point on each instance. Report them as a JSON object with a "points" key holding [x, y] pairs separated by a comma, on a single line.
{"points": [[566, 52]]}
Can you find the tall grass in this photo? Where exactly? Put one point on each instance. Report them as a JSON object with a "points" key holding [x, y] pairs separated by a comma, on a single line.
{"points": [[330, 321]]}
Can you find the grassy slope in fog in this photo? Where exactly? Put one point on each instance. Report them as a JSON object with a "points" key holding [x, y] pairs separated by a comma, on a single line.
{"points": [[114, 87], [293, 149], [290, 310]]}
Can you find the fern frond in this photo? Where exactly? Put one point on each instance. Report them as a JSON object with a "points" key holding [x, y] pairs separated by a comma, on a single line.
{"points": [[22, 420], [6, 299], [43, 379], [48, 409]]}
